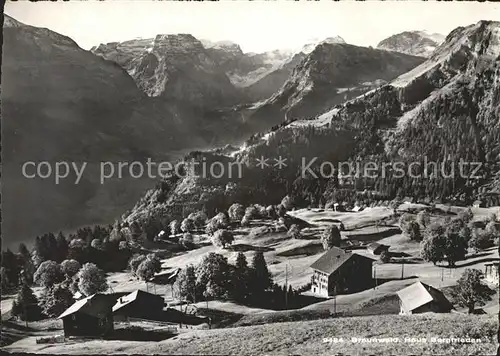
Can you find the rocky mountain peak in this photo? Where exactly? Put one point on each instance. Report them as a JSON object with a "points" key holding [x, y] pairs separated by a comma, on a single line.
{"points": [[417, 43]]}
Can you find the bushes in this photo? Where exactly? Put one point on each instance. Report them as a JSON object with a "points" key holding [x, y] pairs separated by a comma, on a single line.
{"points": [[187, 225], [56, 300], [385, 257], [175, 227], [481, 239], [220, 221], [199, 219], [222, 238], [410, 227], [148, 267], [294, 232], [134, 262], [48, 274], [70, 267], [331, 237], [187, 240], [236, 212]]}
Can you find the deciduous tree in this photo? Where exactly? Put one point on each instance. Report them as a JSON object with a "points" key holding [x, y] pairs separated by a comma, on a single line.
{"points": [[236, 212], [48, 274], [470, 291], [70, 267], [222, 238], [331, 237], [91, 280]]}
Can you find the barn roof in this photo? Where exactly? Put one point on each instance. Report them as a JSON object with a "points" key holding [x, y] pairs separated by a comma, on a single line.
{"points": [[132, 297], [95, 305], [333, 259], [419, 294]]}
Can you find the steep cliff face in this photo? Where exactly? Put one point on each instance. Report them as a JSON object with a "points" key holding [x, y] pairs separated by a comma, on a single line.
{"points": [[446, 110], [330, 75], [62, 103], [265, 87], [248, 70], [174, 67], [417, 43]]}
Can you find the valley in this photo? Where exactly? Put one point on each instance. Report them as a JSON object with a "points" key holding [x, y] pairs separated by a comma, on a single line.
{"points": [[304, 250]]}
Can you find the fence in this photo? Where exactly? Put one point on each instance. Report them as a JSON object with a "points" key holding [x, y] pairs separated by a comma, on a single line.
{"points": [[57, 339]]}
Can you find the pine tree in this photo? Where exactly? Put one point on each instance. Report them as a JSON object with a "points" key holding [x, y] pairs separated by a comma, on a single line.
{"points": [[62, 247], [26, 305], [241, 278], [185, 283], [261, 279]]}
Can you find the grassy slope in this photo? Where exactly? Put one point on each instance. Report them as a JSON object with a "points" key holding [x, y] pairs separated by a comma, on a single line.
{"points": [[284, 255], [306, 338]]}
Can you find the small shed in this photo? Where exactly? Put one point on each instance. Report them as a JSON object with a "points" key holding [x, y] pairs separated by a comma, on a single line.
{"points": [[165, 277], [422, 298], [491, 273], [89, 317], [139, 304], [377, 248]]}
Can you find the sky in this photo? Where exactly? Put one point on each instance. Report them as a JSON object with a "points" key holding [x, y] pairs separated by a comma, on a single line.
{"points": [[256, 26]]}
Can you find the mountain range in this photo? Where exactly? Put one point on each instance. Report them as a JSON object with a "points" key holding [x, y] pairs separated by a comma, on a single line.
{"points": [[443, 110], [163, 97]]}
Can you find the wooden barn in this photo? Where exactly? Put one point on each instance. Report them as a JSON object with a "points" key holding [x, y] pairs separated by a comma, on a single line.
{"points": [[89, 317], [140, 305], [491, 272], [338, 271], [422, 298]]}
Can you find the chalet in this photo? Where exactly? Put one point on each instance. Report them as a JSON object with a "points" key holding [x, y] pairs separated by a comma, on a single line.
{"points": [[478, 204], [338, 271], [376, 248], [491, 272], [422, 298], [140, 305], [89, 317]]}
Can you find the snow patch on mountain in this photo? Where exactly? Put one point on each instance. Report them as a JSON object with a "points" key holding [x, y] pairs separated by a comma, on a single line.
{"points": [[308, 48]]}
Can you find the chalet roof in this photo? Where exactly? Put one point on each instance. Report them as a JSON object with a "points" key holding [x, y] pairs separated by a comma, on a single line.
{"points": [[167, 274], [95, 305], [419, 294], [132, 297], [333, 259]]}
